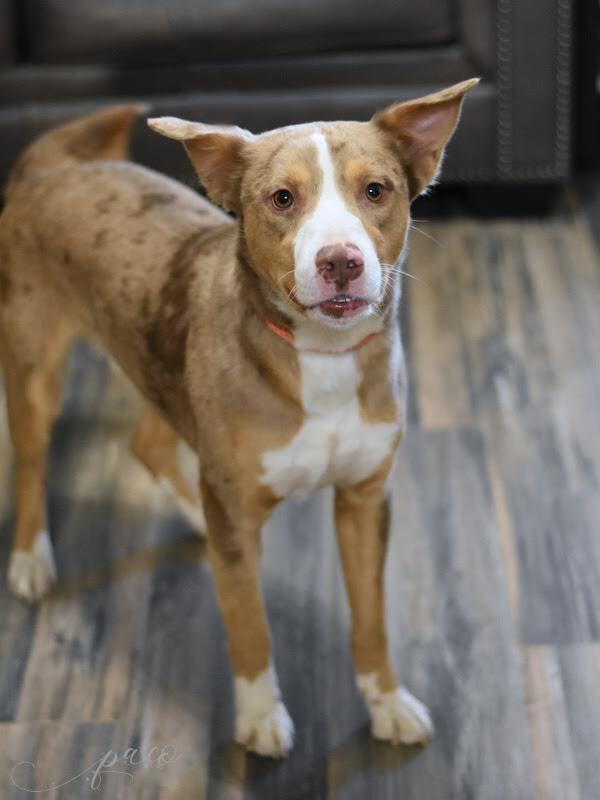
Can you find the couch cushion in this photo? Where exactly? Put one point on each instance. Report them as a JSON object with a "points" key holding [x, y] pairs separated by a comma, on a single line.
{"points": [[148, 31]]}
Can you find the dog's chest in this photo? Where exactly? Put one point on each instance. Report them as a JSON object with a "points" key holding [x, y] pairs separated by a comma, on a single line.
{"points": [[335, 444]]}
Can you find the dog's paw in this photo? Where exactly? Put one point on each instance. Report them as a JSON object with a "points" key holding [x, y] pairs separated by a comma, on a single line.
{"points": [[270, 734], [400, 718], [31, 574], [396, 716], [262, 723]]}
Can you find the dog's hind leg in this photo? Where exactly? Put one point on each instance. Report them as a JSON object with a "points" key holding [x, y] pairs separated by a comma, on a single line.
{"points": [[32, 359], [155, 445]]}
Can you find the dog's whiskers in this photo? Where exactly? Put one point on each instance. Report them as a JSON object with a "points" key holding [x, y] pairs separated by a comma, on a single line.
{"points": [[284, 276], [392, 269], [413, 227]]}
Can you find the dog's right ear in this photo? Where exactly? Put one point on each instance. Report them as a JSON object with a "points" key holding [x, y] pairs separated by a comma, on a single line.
{"points": [[423, 127], [215, 151]]}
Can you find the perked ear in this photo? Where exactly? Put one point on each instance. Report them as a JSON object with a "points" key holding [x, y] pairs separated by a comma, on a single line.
{"points": [[423, 128], [215, 151]]}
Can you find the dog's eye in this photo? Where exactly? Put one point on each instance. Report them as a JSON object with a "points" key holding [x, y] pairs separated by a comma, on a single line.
{"points": [[374, 192], [283, 198]]}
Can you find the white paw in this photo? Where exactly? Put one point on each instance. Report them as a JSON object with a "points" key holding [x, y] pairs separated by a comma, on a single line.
{"points": [[270, 734], [32, 574], [400, 718], [396, 716], [262, 723], [193, 512]]}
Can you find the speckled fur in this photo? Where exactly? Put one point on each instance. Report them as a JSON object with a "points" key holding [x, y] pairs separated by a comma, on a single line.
{"points": [[178, 293]]}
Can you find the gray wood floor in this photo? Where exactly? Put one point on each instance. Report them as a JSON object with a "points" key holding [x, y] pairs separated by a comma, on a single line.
{"points": [[493, 573]]}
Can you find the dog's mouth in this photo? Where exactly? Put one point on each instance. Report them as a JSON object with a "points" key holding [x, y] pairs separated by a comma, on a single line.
{"points": [[342, 305]]}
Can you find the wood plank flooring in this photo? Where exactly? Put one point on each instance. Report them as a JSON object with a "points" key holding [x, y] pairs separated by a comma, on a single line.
{"points": [[493, 575]]}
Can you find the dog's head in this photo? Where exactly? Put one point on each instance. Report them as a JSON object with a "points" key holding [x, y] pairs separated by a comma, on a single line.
{"points": [[324, 207]]}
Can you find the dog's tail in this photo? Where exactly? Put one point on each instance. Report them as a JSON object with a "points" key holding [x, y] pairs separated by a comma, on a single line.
{"points": [[103, 135]]}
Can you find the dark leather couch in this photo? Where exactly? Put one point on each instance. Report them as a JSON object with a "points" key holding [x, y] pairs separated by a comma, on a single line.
{"points": [[264, 63]]}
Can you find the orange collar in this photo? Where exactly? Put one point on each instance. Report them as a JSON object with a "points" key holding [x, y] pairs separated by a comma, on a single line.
{"points": [[288, 336]]}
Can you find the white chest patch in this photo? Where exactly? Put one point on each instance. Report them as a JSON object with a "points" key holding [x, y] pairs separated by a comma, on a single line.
{"points": [[334, 445]]}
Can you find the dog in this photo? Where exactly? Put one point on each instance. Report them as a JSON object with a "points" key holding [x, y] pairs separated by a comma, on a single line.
{"points": [[261, 328]]}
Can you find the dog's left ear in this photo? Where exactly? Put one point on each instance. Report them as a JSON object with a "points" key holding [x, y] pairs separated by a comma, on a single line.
{"points": [[215, 151], [422, 128]]}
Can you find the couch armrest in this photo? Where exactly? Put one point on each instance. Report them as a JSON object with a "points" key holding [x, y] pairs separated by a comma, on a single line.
{"points": [[534, 86], [8, 32], [477, 30], [525, 48]]}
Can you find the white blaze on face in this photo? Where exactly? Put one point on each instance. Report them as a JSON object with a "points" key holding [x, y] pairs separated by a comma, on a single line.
{"points": [[331, 222]]}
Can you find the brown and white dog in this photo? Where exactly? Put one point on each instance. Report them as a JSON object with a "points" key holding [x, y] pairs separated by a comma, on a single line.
{"points": [[270, 344]]}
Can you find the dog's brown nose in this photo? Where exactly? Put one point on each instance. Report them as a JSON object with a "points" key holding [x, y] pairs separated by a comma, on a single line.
{"points": [[341, 263]]}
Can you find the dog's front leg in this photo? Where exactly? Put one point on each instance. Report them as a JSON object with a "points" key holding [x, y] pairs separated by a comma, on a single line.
{"points": [[362, 522], [262, 722]]}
